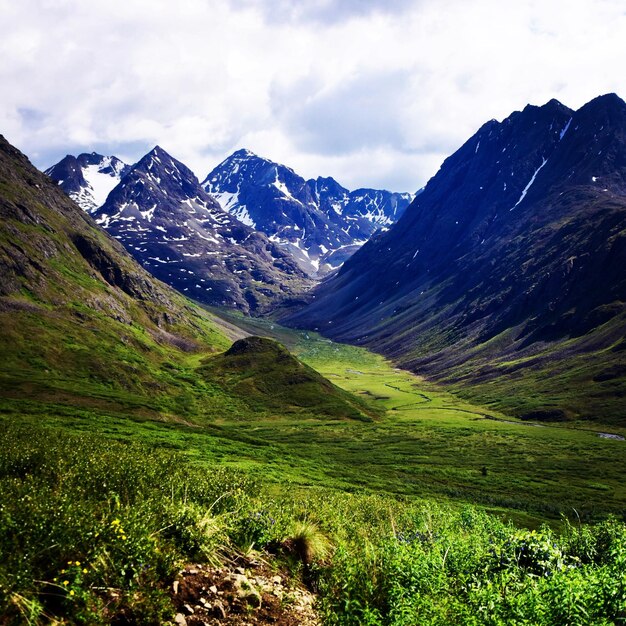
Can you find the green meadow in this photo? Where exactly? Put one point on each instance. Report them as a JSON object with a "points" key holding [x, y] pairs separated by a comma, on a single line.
{"points": [[413, 505], [431, 443], [418, 441]]}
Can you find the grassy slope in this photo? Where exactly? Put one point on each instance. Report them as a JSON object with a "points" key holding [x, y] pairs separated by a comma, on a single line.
{"points": [[273, 382], [82, 323], [428, 444], [582, 376]]}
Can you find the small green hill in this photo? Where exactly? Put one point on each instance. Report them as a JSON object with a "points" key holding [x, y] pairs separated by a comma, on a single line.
{"points": [[265, 375]]}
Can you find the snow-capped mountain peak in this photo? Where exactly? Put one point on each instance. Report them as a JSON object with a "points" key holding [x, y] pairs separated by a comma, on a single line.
{"points": [[318, 221], [177, 231], [88, 178]]}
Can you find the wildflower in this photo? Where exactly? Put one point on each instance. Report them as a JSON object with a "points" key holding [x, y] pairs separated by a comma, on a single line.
{"points": [[85, 570], [123, 537], [71, 592], [66, 582], [77, 563], [115, 522]]}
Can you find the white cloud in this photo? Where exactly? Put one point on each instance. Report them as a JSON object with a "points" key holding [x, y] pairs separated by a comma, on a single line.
{"points": [[373, 93]]}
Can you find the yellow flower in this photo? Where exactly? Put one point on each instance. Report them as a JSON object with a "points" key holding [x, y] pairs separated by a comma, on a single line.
{"points": [[85, 570], [123, 537], [71, 592], [115, 522], [77, 563], [69, 562], [66, 582]]}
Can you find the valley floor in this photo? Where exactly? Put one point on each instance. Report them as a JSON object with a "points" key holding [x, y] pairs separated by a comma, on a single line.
{"points": [[430, 443], [426, 444]]}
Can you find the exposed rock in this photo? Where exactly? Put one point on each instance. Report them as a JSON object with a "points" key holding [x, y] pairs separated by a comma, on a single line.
{"points": [[245, 589], [257, 597]]}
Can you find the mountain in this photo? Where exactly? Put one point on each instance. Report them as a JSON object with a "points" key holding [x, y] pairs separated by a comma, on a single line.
{"points": [[181, 235], [83, 325], [320, 222], [88, 178], [88, 334], [506, 276]]}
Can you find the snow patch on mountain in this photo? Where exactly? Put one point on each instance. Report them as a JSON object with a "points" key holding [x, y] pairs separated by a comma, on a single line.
{"points": [[88, 178], [529, 185]]}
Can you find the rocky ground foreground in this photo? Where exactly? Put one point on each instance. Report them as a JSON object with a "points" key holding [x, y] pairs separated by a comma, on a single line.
{"points": [[244, 595]]}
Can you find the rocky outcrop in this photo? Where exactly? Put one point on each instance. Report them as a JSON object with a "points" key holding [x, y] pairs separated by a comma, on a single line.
{"points": [[241, 595]]}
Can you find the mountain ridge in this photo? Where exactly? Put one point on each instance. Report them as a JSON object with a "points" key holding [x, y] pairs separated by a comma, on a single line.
{"points": [[319, 221], [181, 235], [517, 241]]}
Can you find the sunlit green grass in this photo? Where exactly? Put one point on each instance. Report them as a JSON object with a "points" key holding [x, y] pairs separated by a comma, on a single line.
{"points": [[425, 442], [433, 444], [93, 532]]}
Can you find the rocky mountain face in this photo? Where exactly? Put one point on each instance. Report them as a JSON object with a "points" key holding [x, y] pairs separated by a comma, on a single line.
{"points": [[88, 178], [181, 235], [320, 222], [512, 261]]}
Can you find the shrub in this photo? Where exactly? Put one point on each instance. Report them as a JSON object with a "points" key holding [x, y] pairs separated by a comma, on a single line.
{"points": [[92, 529]]}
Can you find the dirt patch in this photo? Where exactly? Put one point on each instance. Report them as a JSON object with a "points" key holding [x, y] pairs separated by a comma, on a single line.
{"points": [[242, 595]]}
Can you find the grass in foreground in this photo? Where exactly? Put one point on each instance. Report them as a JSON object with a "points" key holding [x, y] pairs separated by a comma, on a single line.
{"points": [[92, 532]]}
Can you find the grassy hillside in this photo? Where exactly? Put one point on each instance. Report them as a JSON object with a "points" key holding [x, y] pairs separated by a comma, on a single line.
{"points": [[94, 532], [82, 323], [85, 327], [266, 376]]}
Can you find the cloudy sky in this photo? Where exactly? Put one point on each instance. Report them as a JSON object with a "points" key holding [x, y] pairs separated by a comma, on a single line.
{"points": [[373, 92]]}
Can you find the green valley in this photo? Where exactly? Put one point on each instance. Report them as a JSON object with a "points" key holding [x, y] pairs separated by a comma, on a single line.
{"points": [[419, 440], [145, 438]]}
